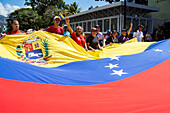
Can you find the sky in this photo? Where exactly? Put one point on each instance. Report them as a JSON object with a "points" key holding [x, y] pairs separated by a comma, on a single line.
{"points": [[8, 6]]}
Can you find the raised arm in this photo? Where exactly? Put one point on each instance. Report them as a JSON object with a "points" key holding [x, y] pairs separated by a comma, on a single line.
{"points": [[130, 29], [67, 20]]}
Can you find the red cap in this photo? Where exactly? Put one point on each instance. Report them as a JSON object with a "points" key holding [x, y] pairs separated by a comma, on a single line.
{"points": [[93, 29]]}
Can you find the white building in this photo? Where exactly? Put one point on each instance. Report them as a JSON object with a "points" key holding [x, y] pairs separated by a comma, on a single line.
{"points": [[111, 17]]}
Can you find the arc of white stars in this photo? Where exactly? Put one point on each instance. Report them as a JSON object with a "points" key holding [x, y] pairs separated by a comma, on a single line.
{"points": [[120, 72], [114, 58], [111, 66]]}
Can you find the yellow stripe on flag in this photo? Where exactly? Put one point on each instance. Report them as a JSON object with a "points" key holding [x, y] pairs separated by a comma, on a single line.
{"points": [[61, 16], [58, 50]]}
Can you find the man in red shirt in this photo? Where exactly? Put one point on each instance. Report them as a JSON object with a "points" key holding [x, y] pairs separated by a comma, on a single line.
{"points": [[78, 36], [15, 28], [56, 28]]}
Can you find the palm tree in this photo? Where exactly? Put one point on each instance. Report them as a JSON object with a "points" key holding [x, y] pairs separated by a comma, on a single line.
{"points": [[73, 9], [60, 4]]}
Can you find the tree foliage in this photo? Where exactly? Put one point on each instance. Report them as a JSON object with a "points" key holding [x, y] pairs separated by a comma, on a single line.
{"points": [[90, 8], [41, 5], [42, 13], [49, 14], [26, 17]]}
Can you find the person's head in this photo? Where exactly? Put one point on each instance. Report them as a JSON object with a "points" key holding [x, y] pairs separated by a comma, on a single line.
{"points": [[114, 33], [65, 28], [97, 28], [148, 32], [15, 25], [56, 20], [140, 27], [79, 30], [109, 32], [93, 31], [34, 27], [146, 27], [124, 32]]}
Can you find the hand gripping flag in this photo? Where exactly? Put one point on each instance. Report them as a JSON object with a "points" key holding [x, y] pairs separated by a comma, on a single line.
{"points": [[45, 72]]}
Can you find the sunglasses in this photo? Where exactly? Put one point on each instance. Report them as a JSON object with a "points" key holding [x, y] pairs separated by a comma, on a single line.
{"points": [[57, 19], [79, 29]]}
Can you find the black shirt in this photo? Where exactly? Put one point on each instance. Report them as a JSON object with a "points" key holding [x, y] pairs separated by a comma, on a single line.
{"points": [[93, 41], [110, 39], [160, 36]]}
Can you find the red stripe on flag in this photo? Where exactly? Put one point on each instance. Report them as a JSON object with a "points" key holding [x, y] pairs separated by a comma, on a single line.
{"points": [[148, 91]]}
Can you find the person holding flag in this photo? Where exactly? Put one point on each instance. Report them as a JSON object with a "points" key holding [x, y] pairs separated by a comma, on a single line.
{"points": [[125, 34], [66, 33], [15, 28], [93, 41], [99, 35], [78, 37], [56, 28]]}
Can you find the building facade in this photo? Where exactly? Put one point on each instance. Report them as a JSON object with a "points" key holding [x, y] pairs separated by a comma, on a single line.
{"points": [[111, 17], [164, 6]]}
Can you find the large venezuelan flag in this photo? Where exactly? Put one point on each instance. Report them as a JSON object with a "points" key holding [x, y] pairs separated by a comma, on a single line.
{"points": [[45, 72]]}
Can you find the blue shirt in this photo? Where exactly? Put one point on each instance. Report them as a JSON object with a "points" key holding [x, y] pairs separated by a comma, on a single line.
{"points": [[67, 33]]}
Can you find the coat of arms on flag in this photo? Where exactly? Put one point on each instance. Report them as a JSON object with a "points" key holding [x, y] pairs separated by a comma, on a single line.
{"points": [[31, 50]]}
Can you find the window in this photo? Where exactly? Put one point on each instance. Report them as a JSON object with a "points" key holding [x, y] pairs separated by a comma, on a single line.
{"points": [[94, 23], [100, 24], [89, 26], [84, 26], [106, 25], [135, 24], [114, 24], [73, 27], [128, 22], [80, 24], [77, 25], [143, 22], [149, 24]]}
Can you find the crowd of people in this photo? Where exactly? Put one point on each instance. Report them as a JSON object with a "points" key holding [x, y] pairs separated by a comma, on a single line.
{"points": [[96, 40]]}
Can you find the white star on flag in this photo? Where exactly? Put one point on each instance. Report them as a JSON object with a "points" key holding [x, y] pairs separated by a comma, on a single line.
{"points": [[120, 73], [158, 50], [116, 58], [112, 66]]}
